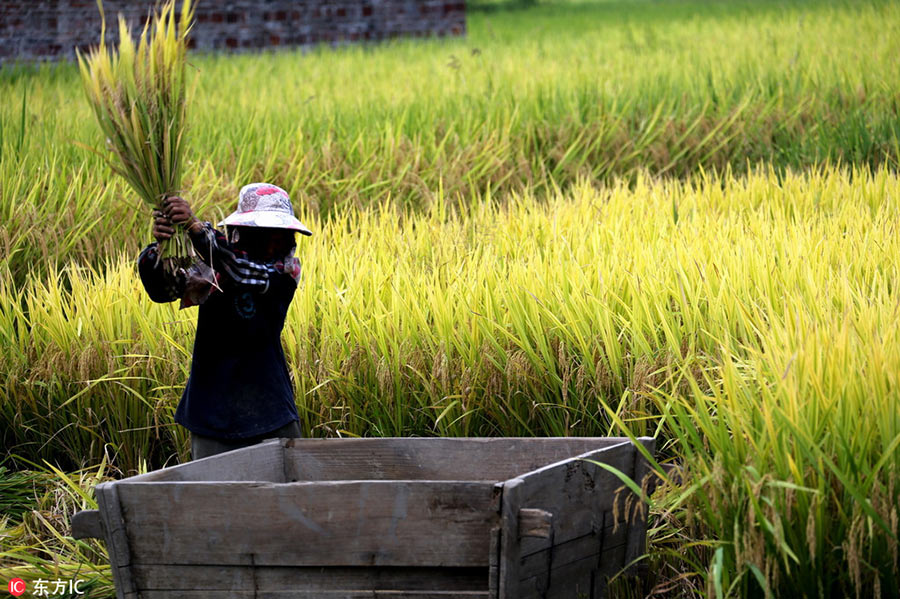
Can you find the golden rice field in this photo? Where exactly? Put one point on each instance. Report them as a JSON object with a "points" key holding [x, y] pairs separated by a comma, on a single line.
{"points": [[530, 99], [750, 322], [583, 261]]}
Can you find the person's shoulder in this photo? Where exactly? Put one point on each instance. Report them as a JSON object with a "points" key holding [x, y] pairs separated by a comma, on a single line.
{"points": [[284, 280], [281, 286], [149, 251], [292, 268]]}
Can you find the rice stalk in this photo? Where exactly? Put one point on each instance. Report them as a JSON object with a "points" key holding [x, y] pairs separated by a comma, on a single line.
{"points": [[138, 94], [534, 114], [757, 337], [35, 544]]}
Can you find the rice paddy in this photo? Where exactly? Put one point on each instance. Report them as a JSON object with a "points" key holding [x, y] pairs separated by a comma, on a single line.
{"points": [[531, 99], [666, 218]]}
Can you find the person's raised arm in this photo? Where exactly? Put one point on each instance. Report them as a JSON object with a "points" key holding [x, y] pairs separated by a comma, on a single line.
{"points": [[160, 285], [215, 251]]}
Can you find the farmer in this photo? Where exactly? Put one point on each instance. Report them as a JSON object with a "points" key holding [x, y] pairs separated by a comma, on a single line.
{"points": [[239, 391]]}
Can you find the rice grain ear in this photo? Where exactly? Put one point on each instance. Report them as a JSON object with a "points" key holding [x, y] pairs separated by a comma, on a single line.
{"points": [[138, 94], [102, 26]]}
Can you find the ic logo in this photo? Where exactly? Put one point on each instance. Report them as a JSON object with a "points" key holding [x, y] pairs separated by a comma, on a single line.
{"points": [[16, 587]]}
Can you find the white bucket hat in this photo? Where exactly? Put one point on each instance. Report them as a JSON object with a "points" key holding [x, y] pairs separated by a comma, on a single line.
{"points": [[265, 205]]}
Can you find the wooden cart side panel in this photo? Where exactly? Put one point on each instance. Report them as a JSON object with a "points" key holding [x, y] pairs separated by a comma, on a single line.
{"points": [[578, 494], [216, 579], [263, 462], [638, 527], [493, 459], [86, 524], [611, 540], [494, 562], [578, 582], [351, 523], [611, 561], [117, 545], [510, 502]]}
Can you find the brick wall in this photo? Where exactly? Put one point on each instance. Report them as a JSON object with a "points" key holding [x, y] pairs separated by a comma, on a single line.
{"points": [[52, 29]]}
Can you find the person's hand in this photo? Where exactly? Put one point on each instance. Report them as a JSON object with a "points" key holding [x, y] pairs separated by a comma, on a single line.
{"points": [[179, 212], [163, 228]]}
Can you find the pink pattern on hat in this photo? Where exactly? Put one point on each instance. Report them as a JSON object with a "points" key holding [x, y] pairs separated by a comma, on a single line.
{"points": [[265, 205]]}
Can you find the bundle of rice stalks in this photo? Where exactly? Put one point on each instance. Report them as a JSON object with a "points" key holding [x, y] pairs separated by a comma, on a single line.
{"points": [[139, 94], [17, 491]]}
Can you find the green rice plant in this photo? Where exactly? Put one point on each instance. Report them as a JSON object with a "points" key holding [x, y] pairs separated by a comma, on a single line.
{"points": [[17, 491], [138, 94], [756, 336], [109, 369], [582, 219], [536, 99], [36, 544]]}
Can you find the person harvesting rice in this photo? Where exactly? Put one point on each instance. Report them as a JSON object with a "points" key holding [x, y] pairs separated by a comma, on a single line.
{"points": [[239, 391], [138, 92]]}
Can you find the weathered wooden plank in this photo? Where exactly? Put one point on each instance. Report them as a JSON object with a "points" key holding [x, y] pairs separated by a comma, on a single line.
{"points": [[614, 534], [638, 526], [494, 459], [377, 521], [117, 544], [577, 492], [510, 504], [286, 578], [348, 523], [559, 555], [540, 564], [494, 562], [535, 523], [263, 462], [570, 581], [612, 560], [86, 525], [541, 570]]}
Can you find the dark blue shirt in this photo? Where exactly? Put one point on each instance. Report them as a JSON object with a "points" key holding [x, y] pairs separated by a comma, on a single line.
{"points": [[239, 384]]}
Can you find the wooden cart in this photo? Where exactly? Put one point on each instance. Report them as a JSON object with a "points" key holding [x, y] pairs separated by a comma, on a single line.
{"points": [[503, 518]]}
